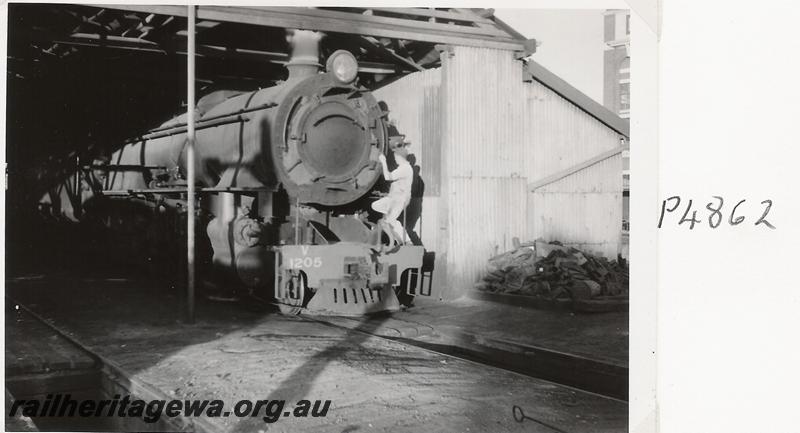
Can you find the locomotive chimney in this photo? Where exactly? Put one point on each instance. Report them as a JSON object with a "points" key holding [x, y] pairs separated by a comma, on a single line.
{"points": [[304, 48]]}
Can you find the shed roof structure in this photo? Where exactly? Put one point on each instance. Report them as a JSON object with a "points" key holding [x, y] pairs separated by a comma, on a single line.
{"points": [[386, 41], [552, 81]]}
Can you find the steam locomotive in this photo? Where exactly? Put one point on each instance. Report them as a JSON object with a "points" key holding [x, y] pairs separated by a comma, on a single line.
{"points": [[285, 176]]}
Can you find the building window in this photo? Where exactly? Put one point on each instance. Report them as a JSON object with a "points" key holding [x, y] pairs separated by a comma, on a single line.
{"points": [[624, 86], [626, 211], [628, 24], [625, 97], [625, 67]]}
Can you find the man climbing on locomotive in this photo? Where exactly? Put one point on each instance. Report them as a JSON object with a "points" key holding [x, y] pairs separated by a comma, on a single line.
{"points": [[393, 204]]}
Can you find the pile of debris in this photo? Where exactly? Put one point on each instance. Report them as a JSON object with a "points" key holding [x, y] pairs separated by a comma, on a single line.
{"points": [[553, 271]]}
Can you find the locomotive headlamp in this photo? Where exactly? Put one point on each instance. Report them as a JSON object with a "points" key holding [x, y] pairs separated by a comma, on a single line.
{"points": [[343, 66]]}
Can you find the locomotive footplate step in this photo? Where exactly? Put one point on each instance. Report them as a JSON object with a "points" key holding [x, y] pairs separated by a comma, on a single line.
{"points": [[234, 353]]}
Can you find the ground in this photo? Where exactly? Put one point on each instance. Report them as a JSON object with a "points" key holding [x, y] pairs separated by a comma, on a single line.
{"points": [[239, 351]]}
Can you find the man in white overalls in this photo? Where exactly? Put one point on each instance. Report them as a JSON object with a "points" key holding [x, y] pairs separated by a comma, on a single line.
{"points": [[399, 195]]}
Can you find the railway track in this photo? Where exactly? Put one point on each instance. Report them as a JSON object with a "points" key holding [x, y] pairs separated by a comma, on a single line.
{"points": [[565, 369], [387, 383]]}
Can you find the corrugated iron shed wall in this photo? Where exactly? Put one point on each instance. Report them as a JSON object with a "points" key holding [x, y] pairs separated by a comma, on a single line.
{"points": [[483, 156], [583, 209], [414, 106], [482, 135], [485, 215], [484, 120], [414, 103]]}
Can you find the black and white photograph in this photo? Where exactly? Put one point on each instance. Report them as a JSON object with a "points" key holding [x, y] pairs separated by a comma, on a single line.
{"points": [[227, 218]]}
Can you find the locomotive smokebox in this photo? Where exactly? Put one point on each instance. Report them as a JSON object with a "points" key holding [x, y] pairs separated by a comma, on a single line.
{"points": [[328, 132]]}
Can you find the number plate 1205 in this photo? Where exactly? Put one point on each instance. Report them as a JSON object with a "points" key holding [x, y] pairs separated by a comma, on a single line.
{"points": [[304, 262]]}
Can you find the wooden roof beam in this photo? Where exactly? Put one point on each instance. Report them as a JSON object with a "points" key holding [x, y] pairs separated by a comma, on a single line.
{"points": [[371, 44], [434, 13], [204, 50], [343, 22]]}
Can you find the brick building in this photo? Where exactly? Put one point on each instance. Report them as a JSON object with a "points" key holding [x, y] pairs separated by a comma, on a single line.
{"points": [[616, 85]]}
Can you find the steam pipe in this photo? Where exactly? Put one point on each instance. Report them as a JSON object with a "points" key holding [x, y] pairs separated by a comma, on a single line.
{"points": [[207, 119], [184, 129]]}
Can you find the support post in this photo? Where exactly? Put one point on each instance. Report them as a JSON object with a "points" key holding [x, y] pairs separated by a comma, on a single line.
{"points": [[190, 175], [78, 210]]}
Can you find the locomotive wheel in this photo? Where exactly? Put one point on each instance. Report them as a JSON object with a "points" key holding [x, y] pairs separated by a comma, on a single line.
{"points": [[295, 289]]}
